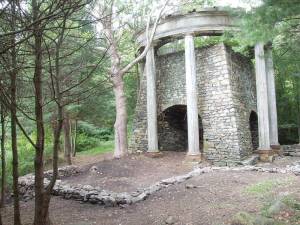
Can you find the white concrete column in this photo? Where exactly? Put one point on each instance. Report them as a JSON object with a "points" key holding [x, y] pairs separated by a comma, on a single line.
{"points": [[271, 97], [191, 96], [151, 101], [262, 98]]}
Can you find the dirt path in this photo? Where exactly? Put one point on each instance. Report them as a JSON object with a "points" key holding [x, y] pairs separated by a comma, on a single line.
{"points": [[82, 160]]}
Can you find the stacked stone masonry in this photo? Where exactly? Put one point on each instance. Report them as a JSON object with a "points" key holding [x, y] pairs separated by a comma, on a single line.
{"points": [[226, 97], [291, 150]]}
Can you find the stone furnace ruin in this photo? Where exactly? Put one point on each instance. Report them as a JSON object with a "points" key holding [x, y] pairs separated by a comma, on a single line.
{"points": [[206, 101]]}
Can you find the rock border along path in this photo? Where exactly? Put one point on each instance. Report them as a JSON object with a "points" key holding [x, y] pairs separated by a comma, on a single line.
{"points": [[96, 195]]}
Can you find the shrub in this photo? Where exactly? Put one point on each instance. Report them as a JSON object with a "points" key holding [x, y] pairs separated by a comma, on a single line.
{"points": [[85, 142], [103, 134]]}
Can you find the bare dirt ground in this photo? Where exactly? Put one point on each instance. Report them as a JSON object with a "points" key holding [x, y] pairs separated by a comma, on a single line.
{"points": [[82, 160], [217, 196], [132, 172]]}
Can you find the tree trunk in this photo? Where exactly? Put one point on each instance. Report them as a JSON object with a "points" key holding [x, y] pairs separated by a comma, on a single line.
{"points": [[3, 162], [74, 138], [14, 146], [67, 139], [120, 125], [121, 118], [3, 157], [54, 126], [297, 81], [13, 111], [41, 215]]}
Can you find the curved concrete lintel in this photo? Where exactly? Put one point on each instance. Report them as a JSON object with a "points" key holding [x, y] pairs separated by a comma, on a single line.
{"points": [[205, 22]]}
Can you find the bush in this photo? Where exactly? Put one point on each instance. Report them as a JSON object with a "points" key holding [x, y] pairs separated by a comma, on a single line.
{"points": [[26, 154], [103, 134], [85, 142]]}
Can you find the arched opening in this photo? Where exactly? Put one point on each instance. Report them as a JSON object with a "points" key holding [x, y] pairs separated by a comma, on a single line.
{"points": [[172, 129], [253, 123]]}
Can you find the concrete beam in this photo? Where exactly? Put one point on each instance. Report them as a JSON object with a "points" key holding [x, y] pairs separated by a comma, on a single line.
{"points": [[204, 22]]}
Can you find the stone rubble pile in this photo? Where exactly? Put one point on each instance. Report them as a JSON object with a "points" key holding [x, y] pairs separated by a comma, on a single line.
{"points": [[65, 171], [97, 195], [291, 150], [26, 183], [294, 169]]}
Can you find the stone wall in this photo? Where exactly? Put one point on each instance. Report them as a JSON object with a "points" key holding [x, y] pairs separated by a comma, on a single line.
{"points": [[138, 140], [226, 89], [242, 82], [215, 105], [291, 150]]}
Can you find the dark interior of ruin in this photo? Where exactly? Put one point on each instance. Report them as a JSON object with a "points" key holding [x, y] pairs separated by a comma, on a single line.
{"points": [[253, 121], [172, 128]]}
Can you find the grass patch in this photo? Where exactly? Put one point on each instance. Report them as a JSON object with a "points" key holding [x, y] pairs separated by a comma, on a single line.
{"points": [[264, 187], [289, 213], [104, 147], [283, 210], [291, 202]]}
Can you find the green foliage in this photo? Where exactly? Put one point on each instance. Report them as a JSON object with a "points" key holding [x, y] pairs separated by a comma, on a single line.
{"points": [[291, 202], [90, 136], [85, 142], [99, 109], [284, 205], [243, 218], [26, 155], [103, 147], [194, 5], [265, 187], [272, 19], [278, 22], [90, 130]]}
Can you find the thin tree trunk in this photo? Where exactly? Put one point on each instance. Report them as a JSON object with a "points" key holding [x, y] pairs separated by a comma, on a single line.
{"points": [[41, 214], [13, 111], [54, 126], [74, 138], [120, 126], [117, 73], [3, 161], [3, 157], [121, 118], [14, 146], [57, 134], [297, 81], [67, 139]]}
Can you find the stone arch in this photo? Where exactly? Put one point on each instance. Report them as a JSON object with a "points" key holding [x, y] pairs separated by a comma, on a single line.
{"points": [[172, 129], [253, 124]]}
